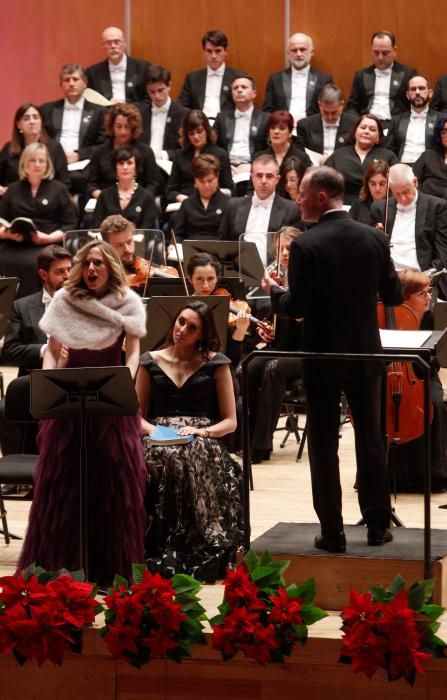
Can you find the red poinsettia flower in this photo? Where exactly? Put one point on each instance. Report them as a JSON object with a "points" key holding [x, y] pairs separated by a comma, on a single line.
{"points": [[285, 611], [168, 615], [223, 640], [241, 590], [159, 643], [121, 638], [153, 586], [362, 608], [365, 647], [14, 589], [240, 623], [264, 641], [72, 600], [406, 663], [128, 610]]}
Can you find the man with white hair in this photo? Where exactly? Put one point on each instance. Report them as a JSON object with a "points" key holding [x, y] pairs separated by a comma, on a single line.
{"points": [[416, 223], [120, 78], [297, 88]]}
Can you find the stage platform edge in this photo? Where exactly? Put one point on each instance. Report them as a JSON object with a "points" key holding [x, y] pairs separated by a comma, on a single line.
{"points": [[361, 567]]}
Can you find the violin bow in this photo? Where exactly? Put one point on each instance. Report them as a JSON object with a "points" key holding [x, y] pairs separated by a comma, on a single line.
{"points": [[148, 272], [182, 273], [387, 200]]}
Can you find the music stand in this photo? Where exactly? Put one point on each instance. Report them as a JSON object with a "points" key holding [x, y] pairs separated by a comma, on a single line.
{"points": [[165, 287], [237, 258], [161, 311], [82, 393]]}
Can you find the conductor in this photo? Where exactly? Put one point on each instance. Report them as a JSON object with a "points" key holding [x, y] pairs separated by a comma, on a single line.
{"points": [[337, 270]]}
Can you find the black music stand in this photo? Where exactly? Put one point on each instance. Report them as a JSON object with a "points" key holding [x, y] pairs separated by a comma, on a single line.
{"points": [[83, 393], [161, 312], [237, 258]]}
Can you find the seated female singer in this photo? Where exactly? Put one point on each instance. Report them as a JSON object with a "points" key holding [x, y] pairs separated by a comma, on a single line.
{"points": [[203, 272], [200, 214], [352, 161], [46, 201], [407, 459], [28, 128], [373, 189], [194, 498], [126, 196]]}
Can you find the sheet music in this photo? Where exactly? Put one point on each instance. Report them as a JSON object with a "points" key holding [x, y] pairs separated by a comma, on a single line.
{"points": [[403, 339]]}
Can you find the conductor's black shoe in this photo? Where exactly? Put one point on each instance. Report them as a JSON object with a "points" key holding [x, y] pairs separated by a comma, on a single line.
{"points": [[335, 545], [377, 537]]}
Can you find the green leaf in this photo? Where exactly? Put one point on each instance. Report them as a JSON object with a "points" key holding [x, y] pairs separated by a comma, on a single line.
{"points": [[416, 596], [301, 631], [252, 560], [311, 614], [137, 572], [432, 611], [120, 581], [396, 585], [378, 594], [305, 591], [261, 572], [183, 582]]}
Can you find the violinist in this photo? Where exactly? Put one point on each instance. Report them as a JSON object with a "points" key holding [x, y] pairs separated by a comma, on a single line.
{"points": [[126, 197], [268, 379], [118, 232], [203, 271], [408, 459]]}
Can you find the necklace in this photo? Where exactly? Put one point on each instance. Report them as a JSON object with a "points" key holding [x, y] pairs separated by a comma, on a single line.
{"points": [[126, 195]]}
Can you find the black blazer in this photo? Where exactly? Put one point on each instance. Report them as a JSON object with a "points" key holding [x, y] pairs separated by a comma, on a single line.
{"points": [[196, 223], [439, 100], [234, 221], [174, 120], [51, 209], [101, 174], [362, 91], [336, 271], [310, 132], [225, 125], [9, 165], [278, 92], [430, 229], [91, 131], [23, 336], [348, 163], [431, 172], [181, 180], [98, 76], [193, 91], [141, 210], [397, 134]]}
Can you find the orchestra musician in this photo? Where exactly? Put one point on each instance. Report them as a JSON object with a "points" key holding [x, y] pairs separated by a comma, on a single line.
{"points": [[119, 232], [407, 460]]}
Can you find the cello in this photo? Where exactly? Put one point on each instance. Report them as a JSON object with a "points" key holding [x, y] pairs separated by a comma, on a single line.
{"points": [[404, 390]]}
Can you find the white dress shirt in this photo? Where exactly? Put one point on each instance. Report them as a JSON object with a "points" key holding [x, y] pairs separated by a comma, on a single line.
{"points": [[213, 88], [118, 78], [403, 238], [329, 136], [240, 149], [381, 103], [415, 138], [299, 80], [158, 127], [71, 124], [258, 223]]}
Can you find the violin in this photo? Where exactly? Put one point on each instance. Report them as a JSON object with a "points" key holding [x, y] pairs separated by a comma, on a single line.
{"points": [[404, 390], [236, 305], [143, 269]]}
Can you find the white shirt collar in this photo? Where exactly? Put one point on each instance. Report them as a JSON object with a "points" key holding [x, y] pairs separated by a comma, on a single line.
{"points": [[265, 203], [410, 207], [118, 67], [77, 105], [219, 72]]}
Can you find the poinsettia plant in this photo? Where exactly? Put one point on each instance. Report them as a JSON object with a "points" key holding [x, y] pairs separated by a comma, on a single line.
{"points": [[43, 613], [259, 615], [153, 618], [393, 629]]}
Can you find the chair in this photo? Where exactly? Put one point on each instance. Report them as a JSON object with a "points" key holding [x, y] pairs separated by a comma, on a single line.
{"points": [[17, 469], [294, 404]]}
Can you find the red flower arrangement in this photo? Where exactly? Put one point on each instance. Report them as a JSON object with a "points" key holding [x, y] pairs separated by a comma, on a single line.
{"points": [[259, 615], [394, 629], [153, 618], [43, 613]]}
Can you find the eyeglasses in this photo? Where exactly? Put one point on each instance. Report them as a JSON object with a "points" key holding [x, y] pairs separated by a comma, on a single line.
{"points": [[425, 292]]}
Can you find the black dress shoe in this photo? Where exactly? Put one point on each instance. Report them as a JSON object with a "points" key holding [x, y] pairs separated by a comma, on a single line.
{"points": [[335, 545], [377, 537]]}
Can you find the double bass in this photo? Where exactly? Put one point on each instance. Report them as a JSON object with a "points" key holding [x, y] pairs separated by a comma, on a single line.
{"points": [[404, 390]]}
